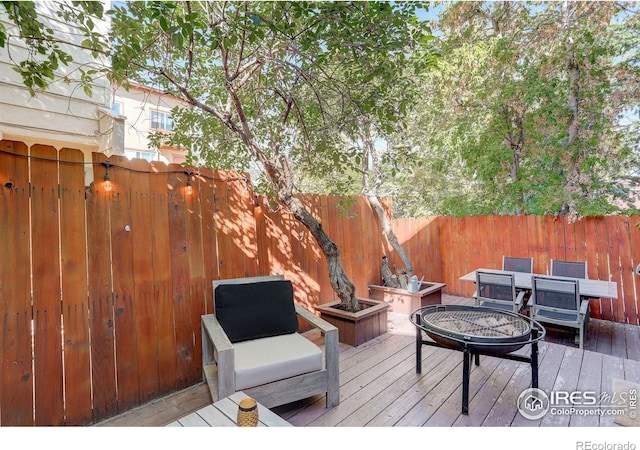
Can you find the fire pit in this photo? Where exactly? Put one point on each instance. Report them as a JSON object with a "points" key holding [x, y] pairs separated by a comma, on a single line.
{"points": [[476, 331]]}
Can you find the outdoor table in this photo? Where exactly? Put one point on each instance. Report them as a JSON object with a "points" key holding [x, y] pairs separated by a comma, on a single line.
{"points": [[588, 287], [223, 413], [475, 331]]}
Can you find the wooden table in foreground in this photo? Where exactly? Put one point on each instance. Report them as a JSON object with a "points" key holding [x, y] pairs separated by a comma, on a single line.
{"points": [[223, 413], [588, 288]]}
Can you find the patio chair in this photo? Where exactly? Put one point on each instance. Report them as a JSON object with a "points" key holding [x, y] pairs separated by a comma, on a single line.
{"points": [[514, 264], [558, 302], [571, 269], [498, 290], [251, 344]]}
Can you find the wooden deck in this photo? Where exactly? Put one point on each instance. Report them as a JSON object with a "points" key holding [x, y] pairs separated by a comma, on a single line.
{"points": [[379, 386]]}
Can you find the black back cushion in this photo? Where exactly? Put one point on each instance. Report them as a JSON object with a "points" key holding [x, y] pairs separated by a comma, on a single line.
{"points": [[256, 310]]}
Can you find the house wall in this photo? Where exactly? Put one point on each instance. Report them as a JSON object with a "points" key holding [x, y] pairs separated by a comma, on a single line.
{"points": [[137, 103], [64, 115]]}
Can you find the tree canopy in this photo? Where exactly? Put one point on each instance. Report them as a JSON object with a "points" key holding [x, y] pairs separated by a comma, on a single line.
{"points": [[524, 115], [272, 83]]}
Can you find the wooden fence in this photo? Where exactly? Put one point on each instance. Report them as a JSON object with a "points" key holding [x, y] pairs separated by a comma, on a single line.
{"points": [[107, 287], [445, 248], [101, 292]]}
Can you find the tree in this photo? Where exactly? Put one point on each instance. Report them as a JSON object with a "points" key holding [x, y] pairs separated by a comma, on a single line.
{"points": [[268, 81], [525, 107]]}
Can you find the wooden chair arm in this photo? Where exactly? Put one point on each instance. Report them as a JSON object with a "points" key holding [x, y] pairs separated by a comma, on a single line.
{"points": [[331, 353], [217, 358], [324, 326]]}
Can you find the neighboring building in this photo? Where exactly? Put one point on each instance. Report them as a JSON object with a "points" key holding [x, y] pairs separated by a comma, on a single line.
{"points": [[147, 110], [111, 121], [63, 115]]}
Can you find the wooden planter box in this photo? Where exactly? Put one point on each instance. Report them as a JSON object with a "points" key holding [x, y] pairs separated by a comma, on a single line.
{"points": [[405, 302], [357, 328]]}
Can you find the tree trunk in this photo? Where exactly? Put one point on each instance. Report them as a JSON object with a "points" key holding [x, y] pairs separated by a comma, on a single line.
{"points": [[343, 287], [371, 165], [572, 156], [281, 179], [387, 230]]}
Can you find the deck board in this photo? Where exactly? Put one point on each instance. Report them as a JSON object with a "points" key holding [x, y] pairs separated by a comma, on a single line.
{"points": [[379, 386], [613, 367]]}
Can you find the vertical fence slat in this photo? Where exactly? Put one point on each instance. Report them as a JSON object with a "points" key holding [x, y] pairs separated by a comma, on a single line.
{"points": [[634, 239], [602, 263], [103, 364], [223, 223], [615, 246], [326, 291], [162, 282], [180, 275], [522, 243], [370, 234], [205, 189], [432, 247], [123, 289], [144, 304], [537, 244], [486, 252], [626, 289], [578, 235], [77, 352], [47, 323], [246, 211], [592, 258], [306, 293], [16, 390], [262, 237], [193, 225]]}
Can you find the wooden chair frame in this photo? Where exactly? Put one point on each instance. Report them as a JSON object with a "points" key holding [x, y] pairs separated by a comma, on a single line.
{"points": [[219, 367]]}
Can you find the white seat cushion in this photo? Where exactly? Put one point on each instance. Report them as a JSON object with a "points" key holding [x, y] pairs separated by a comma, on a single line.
{"points": [[261, 361]]}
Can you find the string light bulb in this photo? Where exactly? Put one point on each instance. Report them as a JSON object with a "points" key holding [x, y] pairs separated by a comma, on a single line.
{"points": [[189, 189], [107, 178]]}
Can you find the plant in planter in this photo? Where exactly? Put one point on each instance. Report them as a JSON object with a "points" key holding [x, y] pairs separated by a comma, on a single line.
{"points": [[395, 287]]}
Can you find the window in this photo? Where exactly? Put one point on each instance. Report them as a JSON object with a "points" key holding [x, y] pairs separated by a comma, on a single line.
{"points": [[149, 156], [116, 107], [161, 121]]}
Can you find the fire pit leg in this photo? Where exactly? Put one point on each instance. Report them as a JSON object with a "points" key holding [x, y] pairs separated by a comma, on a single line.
{"points": [[418, 346], [466, 368], [534, 359]]}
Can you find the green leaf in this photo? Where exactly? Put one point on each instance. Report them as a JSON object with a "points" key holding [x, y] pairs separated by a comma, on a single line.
{"points": [[177, 40]]}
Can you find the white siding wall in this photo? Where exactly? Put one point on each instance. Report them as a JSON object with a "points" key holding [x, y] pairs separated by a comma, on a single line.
{"points": [[137, 104], [63, 116]]}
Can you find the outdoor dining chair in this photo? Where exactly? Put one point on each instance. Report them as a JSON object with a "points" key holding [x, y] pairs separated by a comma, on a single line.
{"points": [[514, 264], [572, 269], [558, 302], [498, 290]]}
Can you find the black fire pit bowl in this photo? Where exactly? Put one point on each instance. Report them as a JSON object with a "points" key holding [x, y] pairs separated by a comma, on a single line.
{"points": [[474, 328]]}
